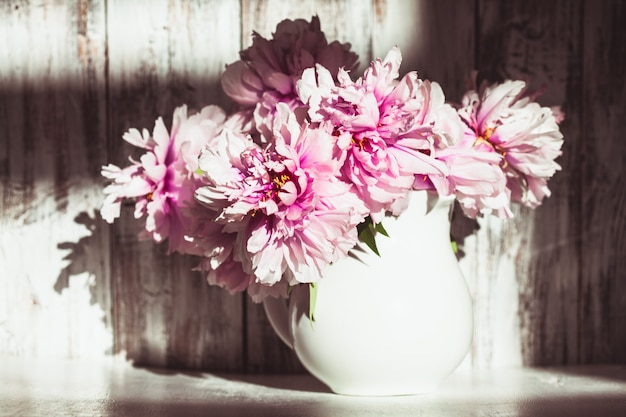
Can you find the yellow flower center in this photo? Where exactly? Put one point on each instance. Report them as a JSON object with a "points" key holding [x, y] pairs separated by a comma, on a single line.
{"points": [[484, 139], [359, 142], [280, 180]]}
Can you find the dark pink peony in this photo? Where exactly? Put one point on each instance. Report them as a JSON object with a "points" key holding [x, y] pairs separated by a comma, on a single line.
{"points": [[268, 70]]}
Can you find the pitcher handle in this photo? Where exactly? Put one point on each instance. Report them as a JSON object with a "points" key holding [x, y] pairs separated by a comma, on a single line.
{"points": [[277, 312]]}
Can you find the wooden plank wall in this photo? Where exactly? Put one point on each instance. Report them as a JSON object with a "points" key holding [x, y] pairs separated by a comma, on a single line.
{"points": [[549, 286]]}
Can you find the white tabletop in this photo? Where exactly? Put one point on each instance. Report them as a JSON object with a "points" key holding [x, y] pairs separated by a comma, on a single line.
{"points": [[110, 388]]}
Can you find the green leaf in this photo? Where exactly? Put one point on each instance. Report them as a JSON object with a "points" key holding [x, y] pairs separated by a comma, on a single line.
{"points": [[312, 300], [366, 235], [454, 244], [380, 229], [455, 247]]}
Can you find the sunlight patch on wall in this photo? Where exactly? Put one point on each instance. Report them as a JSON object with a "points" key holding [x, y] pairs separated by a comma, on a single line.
{"points": [[54, 284]]}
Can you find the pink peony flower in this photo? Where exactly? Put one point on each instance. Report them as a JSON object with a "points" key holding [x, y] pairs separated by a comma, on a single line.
{"points": [[292, 216], [475, 178], [268, 70], [385, 127], [162, 181], [227, 274], [526, 137]]}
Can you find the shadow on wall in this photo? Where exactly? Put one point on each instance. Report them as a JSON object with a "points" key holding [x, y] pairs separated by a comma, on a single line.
{"points": [[85, 256], [64, 260], [88, 257]]}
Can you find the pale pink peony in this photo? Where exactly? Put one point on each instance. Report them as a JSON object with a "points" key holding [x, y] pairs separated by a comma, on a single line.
{"points": [[268, 70], [162, 181], [500, 119], [292, 216], [227, 274], [385, 126], [224, 271], [473, 177], [476, 180]]}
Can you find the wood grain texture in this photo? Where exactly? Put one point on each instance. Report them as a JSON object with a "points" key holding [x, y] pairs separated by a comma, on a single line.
{"points": [[537, 41], [54, 279], [163, 54], [602, 309]]}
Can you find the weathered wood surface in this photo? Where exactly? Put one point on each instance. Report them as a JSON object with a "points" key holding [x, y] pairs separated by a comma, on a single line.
{"points": [[602, 279], [537, 253], [549, 286]]}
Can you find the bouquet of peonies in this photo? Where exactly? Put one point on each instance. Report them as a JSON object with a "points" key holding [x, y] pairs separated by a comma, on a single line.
{"points": [[271, 194]]}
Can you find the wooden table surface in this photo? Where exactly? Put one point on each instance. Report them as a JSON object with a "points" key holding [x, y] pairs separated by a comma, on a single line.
{"points": [[113, 388]]}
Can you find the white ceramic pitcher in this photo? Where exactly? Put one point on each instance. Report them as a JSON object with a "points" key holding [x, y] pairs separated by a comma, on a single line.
{"points": [[393, 324]]}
